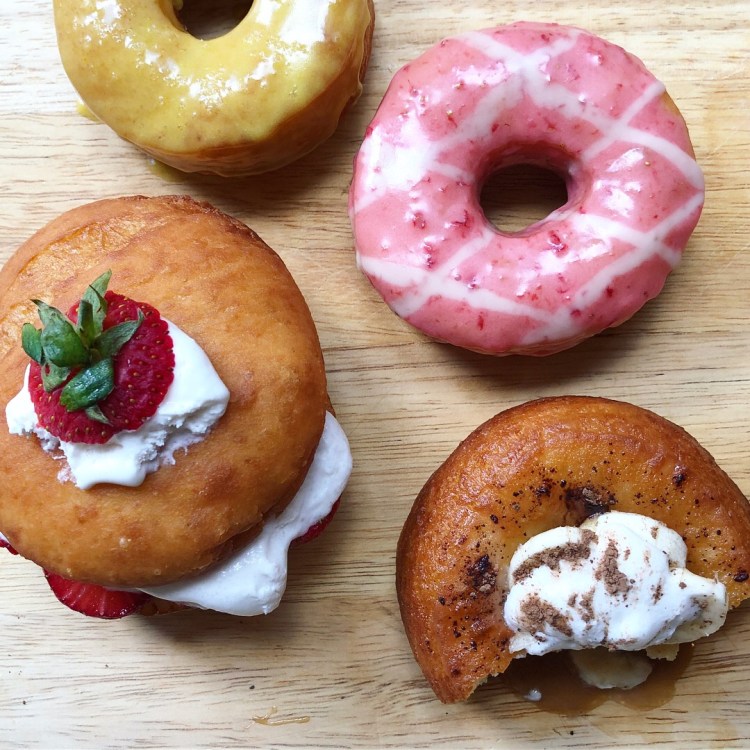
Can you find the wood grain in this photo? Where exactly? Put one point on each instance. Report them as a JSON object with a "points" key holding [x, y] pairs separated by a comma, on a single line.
{"points": [[331, 668]]}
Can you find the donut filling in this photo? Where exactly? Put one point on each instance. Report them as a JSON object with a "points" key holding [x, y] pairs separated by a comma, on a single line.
{"points": [[617, 583], [253, 580]]}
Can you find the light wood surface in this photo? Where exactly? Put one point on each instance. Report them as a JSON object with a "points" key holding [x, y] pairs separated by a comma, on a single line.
{"points": [[331, 667]]}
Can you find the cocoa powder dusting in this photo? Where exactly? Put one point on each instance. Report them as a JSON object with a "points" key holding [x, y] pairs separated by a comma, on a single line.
{"points": [[615, 581], [679, 476], [586, 607], [536, 613], [589, 499], [483, 575], [572, 552]]}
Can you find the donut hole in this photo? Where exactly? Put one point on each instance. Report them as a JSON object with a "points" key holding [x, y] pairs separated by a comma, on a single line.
{"points": [[209, 19], [515, 197]]}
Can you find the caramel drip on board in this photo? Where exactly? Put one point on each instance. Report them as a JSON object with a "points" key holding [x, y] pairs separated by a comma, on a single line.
{"points": [[552, 683]]}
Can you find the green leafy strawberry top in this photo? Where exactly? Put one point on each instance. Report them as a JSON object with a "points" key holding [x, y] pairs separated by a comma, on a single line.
{"points": [[78, 354]]}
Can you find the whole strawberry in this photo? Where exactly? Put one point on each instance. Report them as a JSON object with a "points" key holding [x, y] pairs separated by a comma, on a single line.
{"points": [[103, 368]]}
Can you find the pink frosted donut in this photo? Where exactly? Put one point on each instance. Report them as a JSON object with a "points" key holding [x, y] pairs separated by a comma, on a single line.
{"points": [[528, 93]]}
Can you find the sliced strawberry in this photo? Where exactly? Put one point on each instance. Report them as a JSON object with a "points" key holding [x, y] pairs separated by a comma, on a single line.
{"points": [[4, 543], [144, 366], [317, 528], [143, 372], [95, 601], [70, 426]]}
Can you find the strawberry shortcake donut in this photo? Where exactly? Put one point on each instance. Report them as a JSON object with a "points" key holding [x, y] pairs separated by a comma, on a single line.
{"points": [[167, 434], [528, 93]]}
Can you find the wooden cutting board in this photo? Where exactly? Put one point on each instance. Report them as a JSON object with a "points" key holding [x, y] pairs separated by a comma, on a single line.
{"points": [[331, 667]]}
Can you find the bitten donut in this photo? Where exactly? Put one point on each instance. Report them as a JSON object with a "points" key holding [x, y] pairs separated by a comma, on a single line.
{"points": [[250, 101], [176, 497], [545, 464], [528, 93]]}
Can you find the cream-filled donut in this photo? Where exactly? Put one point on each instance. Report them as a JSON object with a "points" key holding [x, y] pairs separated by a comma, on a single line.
{"points": [[528, 93], [262, 95], [192, 509]]}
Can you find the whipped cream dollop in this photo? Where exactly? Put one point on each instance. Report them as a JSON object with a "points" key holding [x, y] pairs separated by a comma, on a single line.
{"points": [[252, 580], [618, 581], [194, 402]]}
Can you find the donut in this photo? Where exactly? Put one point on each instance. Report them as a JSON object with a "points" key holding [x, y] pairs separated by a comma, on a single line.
{"points": [[219, 282], [544, 464], [528, 93], [253, 100]]}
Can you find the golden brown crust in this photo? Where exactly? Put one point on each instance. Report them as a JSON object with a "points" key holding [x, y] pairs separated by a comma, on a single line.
{"points": [[543, 464], [216, 279]]}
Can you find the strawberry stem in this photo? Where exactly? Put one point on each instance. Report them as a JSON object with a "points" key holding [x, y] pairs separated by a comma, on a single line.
{"points": [[61, 344], [84, 350], [53, 376], [89, 386], [113, 339], [31, 340]]}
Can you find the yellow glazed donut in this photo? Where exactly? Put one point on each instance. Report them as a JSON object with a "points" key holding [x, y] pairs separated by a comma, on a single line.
{"points": [[264, 94]]}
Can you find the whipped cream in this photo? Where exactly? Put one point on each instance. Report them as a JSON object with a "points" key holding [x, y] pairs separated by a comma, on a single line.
{"points": [[252, 580], [618, 581], [195, 400]]}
